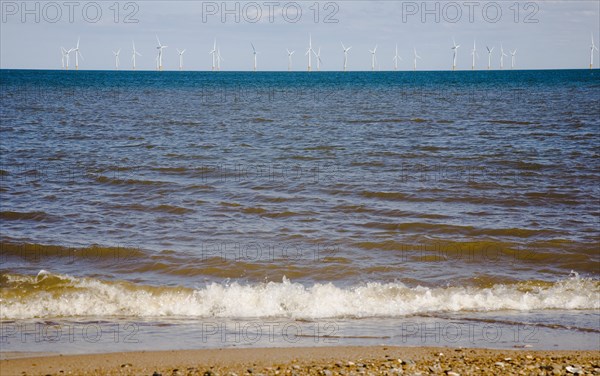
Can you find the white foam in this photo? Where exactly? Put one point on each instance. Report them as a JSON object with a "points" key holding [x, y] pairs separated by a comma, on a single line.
{"points": [[93, 297]]}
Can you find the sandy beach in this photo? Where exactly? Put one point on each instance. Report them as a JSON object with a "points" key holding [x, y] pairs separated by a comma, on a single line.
{"points": [[376, 360]]}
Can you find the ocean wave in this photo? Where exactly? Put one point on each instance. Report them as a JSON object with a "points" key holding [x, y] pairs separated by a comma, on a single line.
{"points": [[38, 216], [55, 295]]}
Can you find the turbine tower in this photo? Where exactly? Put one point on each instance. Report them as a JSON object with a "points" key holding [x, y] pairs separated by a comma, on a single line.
{"points": [[455, 49], [254, 53], [592, 48], [474, 53], [396, 58], [160, 49], [213, 52], [345, 55], [416, 57], [77, 55], [512, 59], [373, 57], [489, 50], [309, 52], [290, 53], [117, 58], [502, 55], [134, 53]]}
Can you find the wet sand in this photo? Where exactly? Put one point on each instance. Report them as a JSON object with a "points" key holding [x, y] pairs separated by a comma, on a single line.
{"points": [[328, 361]]}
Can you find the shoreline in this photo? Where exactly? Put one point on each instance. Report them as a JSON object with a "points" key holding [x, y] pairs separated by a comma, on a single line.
{"points": [[341, 360]]}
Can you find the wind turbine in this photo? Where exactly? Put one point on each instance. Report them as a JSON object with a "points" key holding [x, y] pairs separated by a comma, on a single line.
{"points": [[254, 53], [213, 52], [502, 54], [134, 53], [160, 48], [396, 58], [512, 59], [416, 57], [345, 55], [474, 53], [68, 52], [592, 48], [373, 57], [455, 48], [319, 61], [117, 58], [180, 58], [219, 58], [65, 56], [489, 50], [290, 53], [309, 52], [77, 55]]}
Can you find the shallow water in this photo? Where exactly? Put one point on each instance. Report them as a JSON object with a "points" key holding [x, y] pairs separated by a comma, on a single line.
{"points": [[305, 197]]}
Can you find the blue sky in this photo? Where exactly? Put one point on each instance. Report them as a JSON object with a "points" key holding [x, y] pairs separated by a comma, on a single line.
{"points": [[547, 34]]}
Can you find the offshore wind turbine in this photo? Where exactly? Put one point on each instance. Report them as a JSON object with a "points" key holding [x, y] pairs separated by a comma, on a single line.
{"points": [[345, 55], [65, 57], [373, 57], [254, 52], [592, 48], [77, 55], [309, 52], [213, 52], [180, 58], [502, 54], [512, 59], [319, 61], [416, 57], [396, 58], [474, 53], [117, 58], [455, 49], [489, 50], [134, 53], [68, 55], [160, 49], [219, 58], [290, 53]]}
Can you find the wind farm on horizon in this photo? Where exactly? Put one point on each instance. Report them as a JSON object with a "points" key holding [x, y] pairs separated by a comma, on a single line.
{"points": [[315, 56]]}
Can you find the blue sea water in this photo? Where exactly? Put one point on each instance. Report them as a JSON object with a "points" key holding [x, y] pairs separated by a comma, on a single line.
{"points": [[369, 201]]}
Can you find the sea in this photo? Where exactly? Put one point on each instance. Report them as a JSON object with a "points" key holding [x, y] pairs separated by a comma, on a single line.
{"points": [[146, 210]]}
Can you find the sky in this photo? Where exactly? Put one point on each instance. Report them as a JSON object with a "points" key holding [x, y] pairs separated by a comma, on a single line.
{"points": [[546, 34]]}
